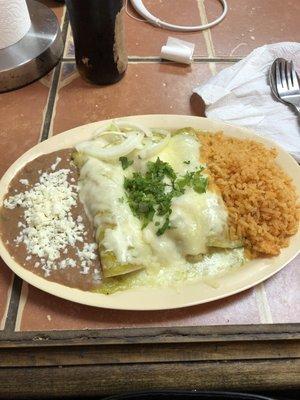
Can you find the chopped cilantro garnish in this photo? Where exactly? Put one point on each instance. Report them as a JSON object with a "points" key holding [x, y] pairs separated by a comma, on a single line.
{"points": [[159, 169], [184, 181], [200, 183], [125, 162], [152, 193], [187, 162], [164, 227]]}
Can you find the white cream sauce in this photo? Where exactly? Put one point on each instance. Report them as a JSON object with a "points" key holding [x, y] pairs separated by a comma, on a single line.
{"points": [[195, 217]]}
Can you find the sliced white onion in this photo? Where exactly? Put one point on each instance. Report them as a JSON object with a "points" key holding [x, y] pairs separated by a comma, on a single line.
{"points": [[110, 136], [123, 124], [94, 149], [103, 133], [118, 133], [151, 150], [104, 129]]}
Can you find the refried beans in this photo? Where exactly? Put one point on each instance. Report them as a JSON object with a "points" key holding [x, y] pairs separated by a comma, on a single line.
{"points": [[12, 219]]}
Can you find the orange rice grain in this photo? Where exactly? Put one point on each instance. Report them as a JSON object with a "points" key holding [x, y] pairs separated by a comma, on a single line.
{"points": [[261, 199]]}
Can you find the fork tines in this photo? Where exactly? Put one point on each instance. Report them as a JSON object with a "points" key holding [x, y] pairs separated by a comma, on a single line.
{"points": [[286, 77]]}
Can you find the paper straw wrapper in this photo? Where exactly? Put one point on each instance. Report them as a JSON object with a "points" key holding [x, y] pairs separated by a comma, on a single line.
{"points": [[178, 50]]}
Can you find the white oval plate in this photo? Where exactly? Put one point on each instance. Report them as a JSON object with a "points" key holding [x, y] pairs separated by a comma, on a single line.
{"points": [[252, 273]]}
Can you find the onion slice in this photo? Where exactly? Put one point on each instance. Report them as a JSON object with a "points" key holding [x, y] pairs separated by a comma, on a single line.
{"points": [[103, 133], [143, 129], [94, 149], [151, 150], [111, 137], [102, 129]]}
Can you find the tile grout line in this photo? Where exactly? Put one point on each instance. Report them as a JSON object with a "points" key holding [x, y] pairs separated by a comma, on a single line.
{"points": [[46, 109], [54, 102], [63, 18], [9, 295], [263, 304], [155, 59], [16, 289], [13, 304], [207, 32], [68, 36], [21, 306], [207, 36], [62, 83]]}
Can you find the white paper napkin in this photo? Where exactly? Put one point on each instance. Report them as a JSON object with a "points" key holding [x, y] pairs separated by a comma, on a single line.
{"points": [[240, 95], [178, 50]]}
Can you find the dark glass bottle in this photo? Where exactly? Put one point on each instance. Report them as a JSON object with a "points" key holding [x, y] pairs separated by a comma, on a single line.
{"points": [[98, 31]]}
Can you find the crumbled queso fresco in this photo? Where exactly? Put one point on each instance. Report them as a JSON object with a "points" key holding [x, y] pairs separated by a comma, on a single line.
{"points": [[49, 227]]}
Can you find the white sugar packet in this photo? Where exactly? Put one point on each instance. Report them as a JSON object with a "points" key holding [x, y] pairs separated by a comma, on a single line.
{"points": [[241, 95]]}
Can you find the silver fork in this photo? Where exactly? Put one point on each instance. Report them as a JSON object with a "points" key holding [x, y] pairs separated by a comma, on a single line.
{"points": [[287, 83]]}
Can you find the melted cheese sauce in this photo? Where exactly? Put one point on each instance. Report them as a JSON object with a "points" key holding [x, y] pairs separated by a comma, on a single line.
{"points": [[208, 270], [195, 217], [101, 191]]}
